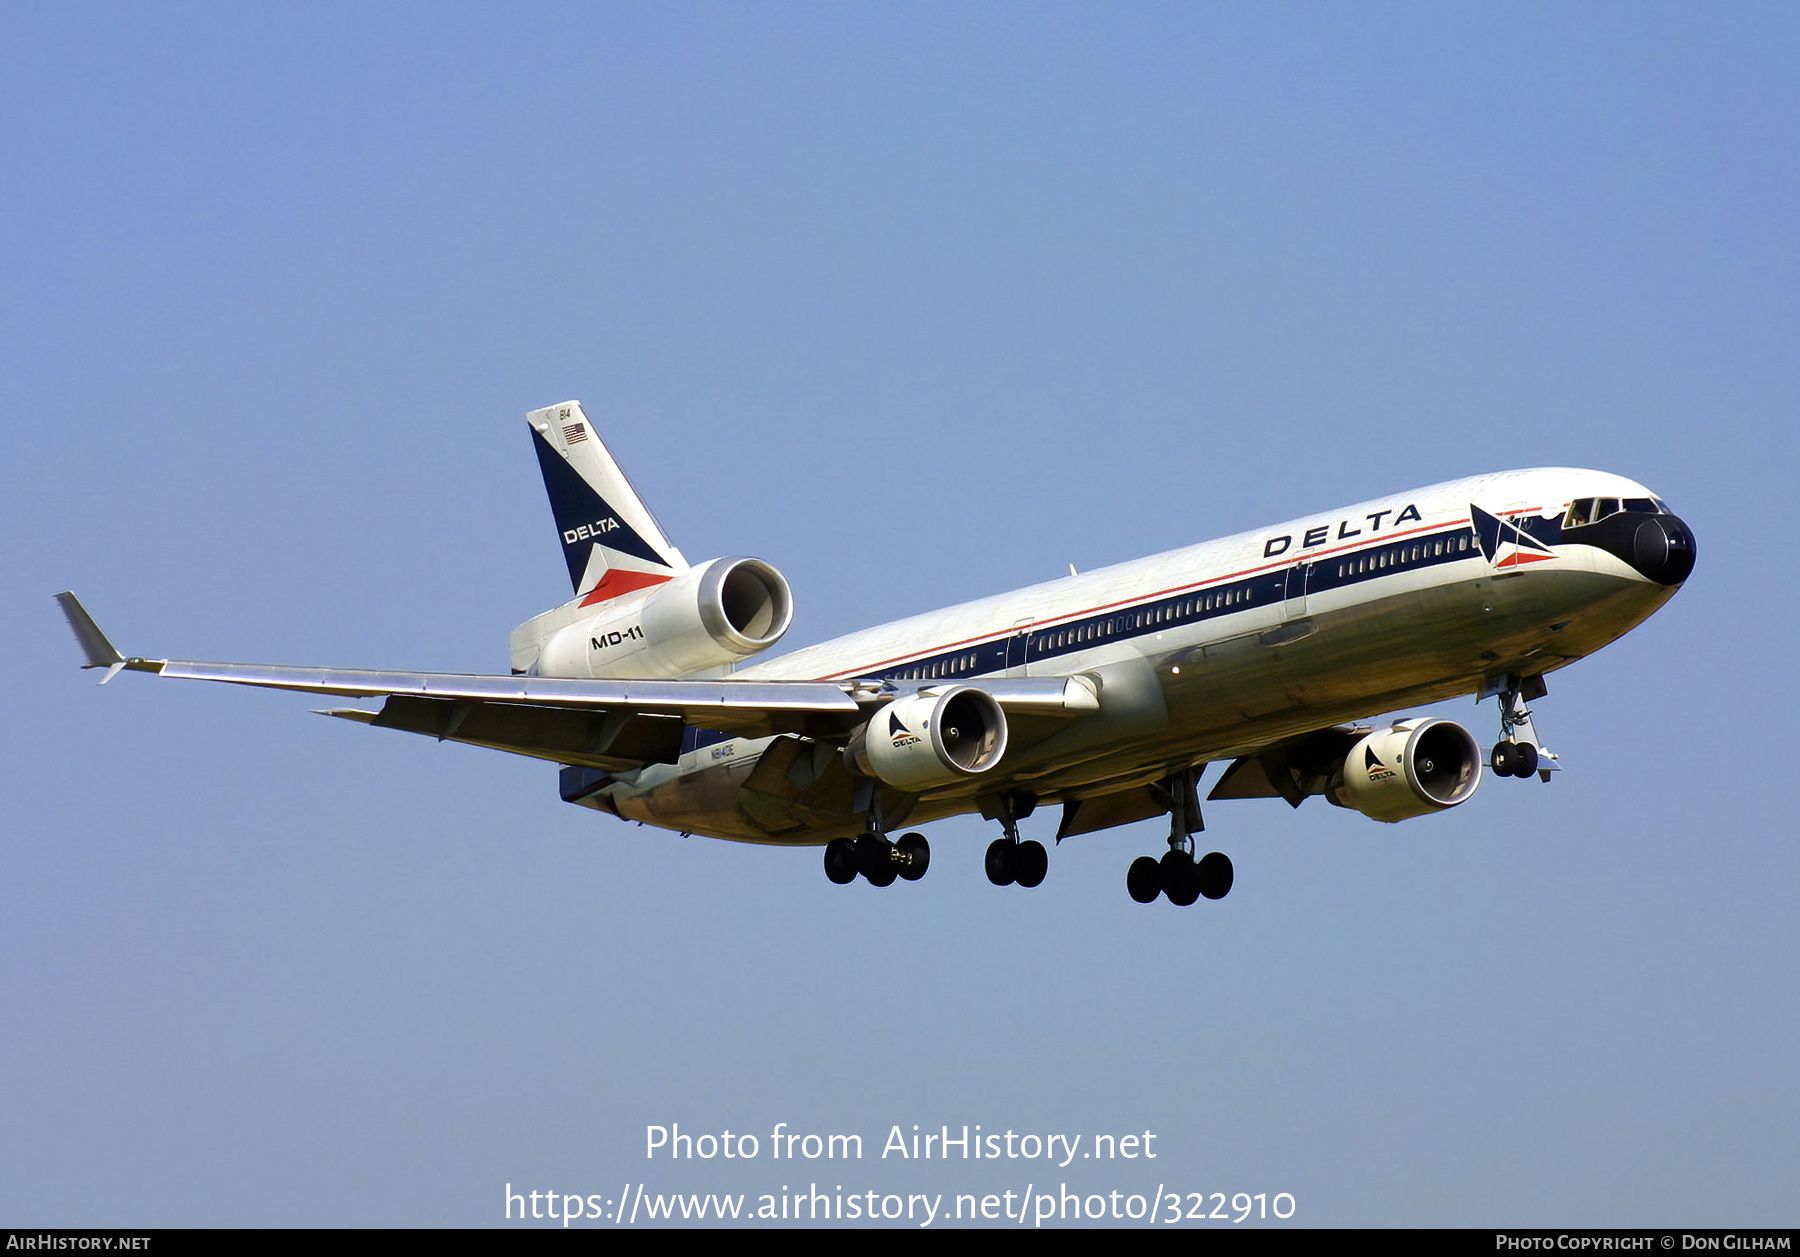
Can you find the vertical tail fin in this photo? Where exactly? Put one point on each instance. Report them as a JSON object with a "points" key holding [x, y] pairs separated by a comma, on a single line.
{"points": [[610, 540]]}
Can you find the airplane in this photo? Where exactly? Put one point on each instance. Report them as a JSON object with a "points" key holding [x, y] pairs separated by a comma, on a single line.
{"points": [[1106, 693]]}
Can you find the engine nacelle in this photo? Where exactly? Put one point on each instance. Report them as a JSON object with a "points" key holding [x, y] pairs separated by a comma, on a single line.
{"points": [[1408, 769], [931, 739], [711, 615]]}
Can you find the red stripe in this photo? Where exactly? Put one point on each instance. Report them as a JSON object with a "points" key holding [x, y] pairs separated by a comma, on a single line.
{"points": [[1523, 556], [1200, 586], [617, 582]]}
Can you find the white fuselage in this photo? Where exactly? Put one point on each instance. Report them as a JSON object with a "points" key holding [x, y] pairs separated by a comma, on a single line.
{"points": [[1218, 649]]}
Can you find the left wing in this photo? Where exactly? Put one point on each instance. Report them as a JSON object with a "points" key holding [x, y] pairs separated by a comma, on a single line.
{"points": [[613, 725]]}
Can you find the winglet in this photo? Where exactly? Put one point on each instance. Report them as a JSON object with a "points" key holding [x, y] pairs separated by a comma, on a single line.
{"points": [[94, 644], [100, 652]]}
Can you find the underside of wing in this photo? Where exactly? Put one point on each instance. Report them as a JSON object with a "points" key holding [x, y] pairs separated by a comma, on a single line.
{"points": [[613, 741], [1293, 770]]}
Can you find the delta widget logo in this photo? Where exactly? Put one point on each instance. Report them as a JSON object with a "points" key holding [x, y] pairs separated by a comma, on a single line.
{"points": [[899, 734]]}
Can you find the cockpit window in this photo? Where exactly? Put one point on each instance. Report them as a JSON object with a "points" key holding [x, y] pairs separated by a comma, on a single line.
{"points": [[1643, 506], [1584, 511]]}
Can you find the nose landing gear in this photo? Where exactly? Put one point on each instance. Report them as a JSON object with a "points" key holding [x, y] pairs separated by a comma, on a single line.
{"points": [[1519, 753]]}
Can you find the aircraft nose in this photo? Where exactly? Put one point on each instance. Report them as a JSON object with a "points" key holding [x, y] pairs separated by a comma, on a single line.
{"points": [[1662, 549]]}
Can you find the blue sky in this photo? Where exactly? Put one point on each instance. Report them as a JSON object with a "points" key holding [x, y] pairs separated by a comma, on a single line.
{"points": [[919, 303]]}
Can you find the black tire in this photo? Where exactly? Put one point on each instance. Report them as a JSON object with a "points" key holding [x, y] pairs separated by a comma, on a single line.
{"points": [[1143, 880], [1505, 759], [840, 861], [873, 860], [918, 856], [870, 852], [1528, 760], [1000, 864], [1178, 880], [1214, 875], [1030, 863]]}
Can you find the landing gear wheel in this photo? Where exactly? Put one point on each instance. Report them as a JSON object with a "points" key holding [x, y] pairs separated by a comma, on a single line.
{"points": [[1505, 759], [1000, 864], [1178, 880], [1530, 757], [916, 856], [1184, 892], [1143, 880], [1030, 863], [1528, 760], [1213, 875], [873, 861], [840, 861]]}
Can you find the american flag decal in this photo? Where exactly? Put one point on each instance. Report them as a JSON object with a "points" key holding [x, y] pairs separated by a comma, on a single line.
{"points": [[573, 432]]}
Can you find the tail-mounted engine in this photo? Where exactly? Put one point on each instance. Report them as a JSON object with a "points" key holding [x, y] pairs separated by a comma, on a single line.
{"points": [[930, 739], [711, 615], [1408, 769]]}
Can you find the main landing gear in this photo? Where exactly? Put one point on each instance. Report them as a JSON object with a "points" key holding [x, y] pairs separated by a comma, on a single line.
{"points": [[873, 855], [1008, 859], [1519, 753], [1178, 875], [877, 859]]}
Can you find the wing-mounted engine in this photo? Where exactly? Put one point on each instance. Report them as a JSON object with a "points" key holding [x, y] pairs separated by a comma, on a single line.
{"points": [[707, 617], [1408, 769], [930, 739]]}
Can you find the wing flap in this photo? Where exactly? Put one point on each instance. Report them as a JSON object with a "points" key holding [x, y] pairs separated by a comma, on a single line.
{"points": [[615, 741]]}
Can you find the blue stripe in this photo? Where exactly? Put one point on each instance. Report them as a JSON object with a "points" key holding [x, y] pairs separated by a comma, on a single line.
{"points": [[1261, 590]]}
